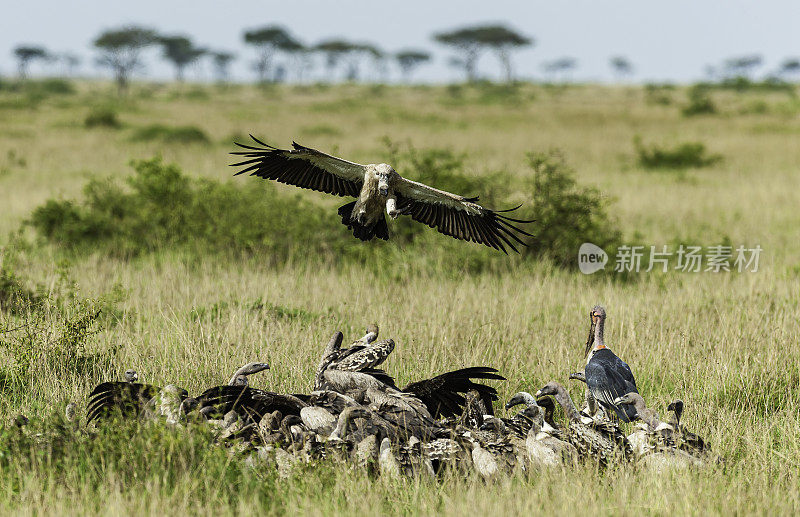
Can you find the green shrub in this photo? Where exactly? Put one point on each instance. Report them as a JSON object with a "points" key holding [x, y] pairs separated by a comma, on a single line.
{"points": [[46, 333], [566, 215], [700, 102], [15, 295], [682, 156], [744, 84], [102, 117], [53, 86], [162, 207], [660, 94], [318, 130], [171, 135]]}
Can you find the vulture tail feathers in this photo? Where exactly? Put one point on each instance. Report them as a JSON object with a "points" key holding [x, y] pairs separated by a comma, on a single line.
{"points": [[381, 229], [366, 233]]}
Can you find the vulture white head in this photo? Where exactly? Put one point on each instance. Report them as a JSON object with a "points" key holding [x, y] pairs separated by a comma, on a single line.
{"points": [[383, 173]]}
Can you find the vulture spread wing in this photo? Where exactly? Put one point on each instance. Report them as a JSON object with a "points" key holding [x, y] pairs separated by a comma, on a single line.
{"points": [[302, 167], [444, 394], [249, 402], [359, 357], [123, 398], [458, 216]]}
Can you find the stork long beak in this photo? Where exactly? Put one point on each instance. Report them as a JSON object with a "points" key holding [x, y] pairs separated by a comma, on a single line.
{"points": [[590, 339]]}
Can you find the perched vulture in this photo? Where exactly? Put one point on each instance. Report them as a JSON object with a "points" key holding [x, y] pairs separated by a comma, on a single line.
{"points": [[379, 187]]}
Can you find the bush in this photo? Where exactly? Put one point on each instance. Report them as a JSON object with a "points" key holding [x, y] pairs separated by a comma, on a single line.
{"points": [[171, 135], [45, 333], [682, 156], [700, 102], [54, 86], [566, 215], [659, 93], [15, 296], [162, 207], [744, 84], [317, 130], [102, 117]]}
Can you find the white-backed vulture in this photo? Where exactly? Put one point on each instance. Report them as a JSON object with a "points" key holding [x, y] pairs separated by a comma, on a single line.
{"points": [[379, 187], [603, 441]]}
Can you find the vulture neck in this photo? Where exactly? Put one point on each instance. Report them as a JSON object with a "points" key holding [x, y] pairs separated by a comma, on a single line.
{"points": [[598, 343], [563, 398], [343, 423], [370, 188]]}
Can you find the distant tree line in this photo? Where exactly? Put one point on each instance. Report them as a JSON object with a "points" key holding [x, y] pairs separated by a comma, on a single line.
{"points": [[279, 56]]}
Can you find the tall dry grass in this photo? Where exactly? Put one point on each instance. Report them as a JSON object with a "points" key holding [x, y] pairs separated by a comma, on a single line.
{"points": [[724, 343]]}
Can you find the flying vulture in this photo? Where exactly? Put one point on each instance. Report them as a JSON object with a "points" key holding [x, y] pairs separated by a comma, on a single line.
{"points": [[379, 187]]}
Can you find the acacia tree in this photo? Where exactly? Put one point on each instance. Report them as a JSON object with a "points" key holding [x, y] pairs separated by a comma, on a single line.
{"points": [[121, 51], [789, 67], [561, 66], [742, 66], [464, 42], [267, 41], [502, 40], [470, 41], [303, 62], [221, 61], [410, 60], [334, 50], [25, 54], [71, 62], [378, 57], [181, 52], [621, 66], [298, 56]]}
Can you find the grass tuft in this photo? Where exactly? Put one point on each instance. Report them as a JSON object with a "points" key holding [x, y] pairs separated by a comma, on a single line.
{"points": [[171, 135], [683, 156]]}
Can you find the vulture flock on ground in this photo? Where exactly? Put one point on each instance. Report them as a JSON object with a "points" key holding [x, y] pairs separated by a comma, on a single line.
{"points": [[357, 415]]}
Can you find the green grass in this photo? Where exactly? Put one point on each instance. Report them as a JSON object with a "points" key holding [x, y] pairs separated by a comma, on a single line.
{"points": [[724, 343]]}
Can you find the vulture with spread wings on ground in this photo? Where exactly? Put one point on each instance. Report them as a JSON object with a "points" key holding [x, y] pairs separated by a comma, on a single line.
{"points": [[379, 187]]}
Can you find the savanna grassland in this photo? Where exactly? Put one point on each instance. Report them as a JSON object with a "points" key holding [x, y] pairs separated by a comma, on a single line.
{"points": [[206, 295]]}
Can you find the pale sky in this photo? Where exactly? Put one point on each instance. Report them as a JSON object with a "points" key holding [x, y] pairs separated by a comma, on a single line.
{"points": [[666, 41]]}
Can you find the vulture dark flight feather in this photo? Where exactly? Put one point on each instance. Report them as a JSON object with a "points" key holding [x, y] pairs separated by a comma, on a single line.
{"points": [[379, 187], [127, 399], [250, 403]]}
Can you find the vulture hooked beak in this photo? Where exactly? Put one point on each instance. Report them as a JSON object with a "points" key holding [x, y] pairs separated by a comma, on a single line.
{"points": [[384, 191], [590, 339]]}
